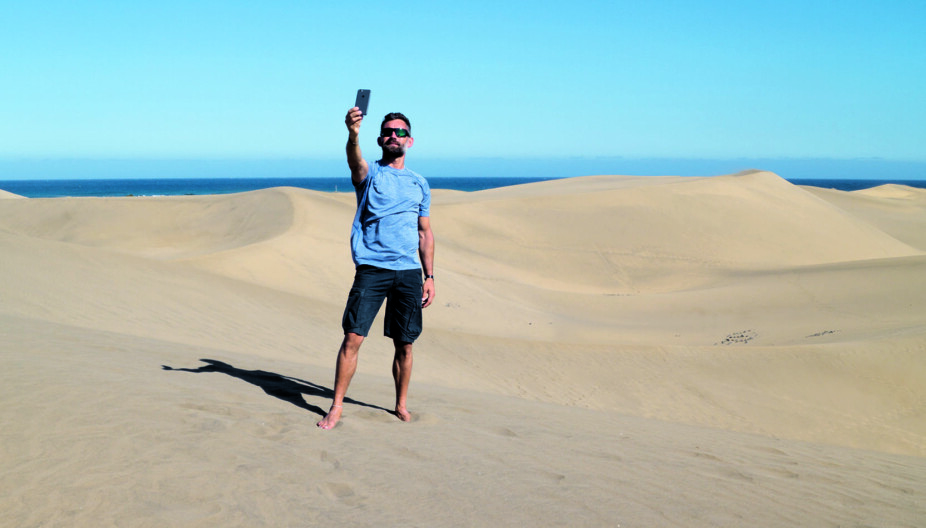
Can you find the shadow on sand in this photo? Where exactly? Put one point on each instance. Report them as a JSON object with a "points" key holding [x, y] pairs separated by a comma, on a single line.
{"points": [[291, 390]]}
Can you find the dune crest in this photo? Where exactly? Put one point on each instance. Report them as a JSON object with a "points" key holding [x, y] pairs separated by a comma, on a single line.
{"points": [[893, 190], [311, 257], [608, 234], [896, 209], [168, 227]]}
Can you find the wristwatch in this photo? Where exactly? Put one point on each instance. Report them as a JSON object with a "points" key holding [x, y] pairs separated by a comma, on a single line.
{"points": [[426, 277]]}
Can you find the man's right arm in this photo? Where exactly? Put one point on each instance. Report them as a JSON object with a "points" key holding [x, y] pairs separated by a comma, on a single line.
{"points": [[358, 166]]}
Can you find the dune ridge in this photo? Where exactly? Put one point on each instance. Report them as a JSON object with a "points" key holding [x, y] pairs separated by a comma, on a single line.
{"points": [[604, 350]]}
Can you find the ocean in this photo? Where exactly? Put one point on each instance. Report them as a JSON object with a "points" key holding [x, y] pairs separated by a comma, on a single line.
{"points": [[194, 186]]}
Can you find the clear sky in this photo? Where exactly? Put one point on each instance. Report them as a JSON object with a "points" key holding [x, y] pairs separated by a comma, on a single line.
{"points": [[273, 79]]}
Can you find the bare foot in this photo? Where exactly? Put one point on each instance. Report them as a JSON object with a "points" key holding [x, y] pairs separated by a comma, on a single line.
{"points": [[403, 414], [332, 419]]}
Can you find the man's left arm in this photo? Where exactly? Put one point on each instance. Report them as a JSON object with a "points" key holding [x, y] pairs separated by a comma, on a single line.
{"points": [[426, 253]]}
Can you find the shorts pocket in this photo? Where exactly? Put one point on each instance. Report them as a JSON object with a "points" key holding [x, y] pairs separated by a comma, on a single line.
{"points": [[351, 319]]}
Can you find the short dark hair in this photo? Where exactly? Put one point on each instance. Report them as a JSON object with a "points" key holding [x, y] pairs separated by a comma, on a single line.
{"points": [[391, 116]]}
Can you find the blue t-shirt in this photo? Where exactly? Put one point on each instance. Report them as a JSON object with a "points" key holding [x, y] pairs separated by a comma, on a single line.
{"points": [[385, 229]]}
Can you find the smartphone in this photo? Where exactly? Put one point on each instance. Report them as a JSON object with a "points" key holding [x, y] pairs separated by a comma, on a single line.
{"points": [[363, 100]]}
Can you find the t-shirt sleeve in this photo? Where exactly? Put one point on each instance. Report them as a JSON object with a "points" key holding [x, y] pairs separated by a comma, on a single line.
{"points": [[425, 208], [361, 188]]}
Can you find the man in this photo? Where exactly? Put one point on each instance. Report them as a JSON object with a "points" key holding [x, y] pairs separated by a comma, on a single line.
{"points": [[391, 244]]}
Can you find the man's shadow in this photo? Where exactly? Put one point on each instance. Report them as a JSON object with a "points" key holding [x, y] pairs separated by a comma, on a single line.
{"points": [[288, 389]]}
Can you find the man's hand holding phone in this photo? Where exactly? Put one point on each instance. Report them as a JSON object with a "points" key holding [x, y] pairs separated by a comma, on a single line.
{"points": [[355, 115], [353, 120], [358, 166]]}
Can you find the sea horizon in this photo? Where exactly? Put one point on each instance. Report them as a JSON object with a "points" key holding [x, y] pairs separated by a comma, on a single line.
{"points": [[41, 178], [52, 168]]}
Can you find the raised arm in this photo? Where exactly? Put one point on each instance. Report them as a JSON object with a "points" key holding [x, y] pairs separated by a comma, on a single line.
{"points": [[426, 253], [358, 166]]}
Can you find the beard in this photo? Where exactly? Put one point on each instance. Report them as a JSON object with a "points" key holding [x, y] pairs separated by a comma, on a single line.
{"points": [[394, 149]]}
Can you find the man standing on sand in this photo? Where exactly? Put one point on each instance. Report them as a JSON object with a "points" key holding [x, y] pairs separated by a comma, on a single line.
{"points": [[391, 244]]}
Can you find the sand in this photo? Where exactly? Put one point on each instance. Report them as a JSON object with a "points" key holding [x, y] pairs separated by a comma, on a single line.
{"points": [[603, 351]]}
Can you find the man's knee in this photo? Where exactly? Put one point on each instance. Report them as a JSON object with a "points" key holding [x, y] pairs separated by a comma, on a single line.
{"points": [[402, 348], [351, 343]]}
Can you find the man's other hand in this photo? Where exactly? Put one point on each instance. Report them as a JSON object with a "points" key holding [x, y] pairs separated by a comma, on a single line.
{"points": [[427, 294]]}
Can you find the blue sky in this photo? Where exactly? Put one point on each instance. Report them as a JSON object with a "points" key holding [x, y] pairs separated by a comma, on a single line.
{"points": [[483, 79]]}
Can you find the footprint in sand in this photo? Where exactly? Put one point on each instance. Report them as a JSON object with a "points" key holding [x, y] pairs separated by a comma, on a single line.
{"points": [[739, 338]]}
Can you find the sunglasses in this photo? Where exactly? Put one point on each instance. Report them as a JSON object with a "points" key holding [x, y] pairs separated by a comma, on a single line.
{"points": [[399, 132]]}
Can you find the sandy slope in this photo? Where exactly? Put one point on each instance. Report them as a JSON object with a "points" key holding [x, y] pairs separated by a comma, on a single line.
{"points": [[608, 350], [896, 209]]}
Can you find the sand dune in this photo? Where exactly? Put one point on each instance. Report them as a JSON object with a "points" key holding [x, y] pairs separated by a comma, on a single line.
{"points": [[895, 209], [635, 351]]}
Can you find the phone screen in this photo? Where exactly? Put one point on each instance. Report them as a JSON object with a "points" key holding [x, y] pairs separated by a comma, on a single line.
{"points": [[363, 100]]}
